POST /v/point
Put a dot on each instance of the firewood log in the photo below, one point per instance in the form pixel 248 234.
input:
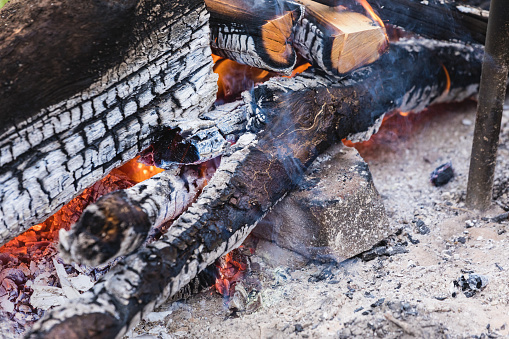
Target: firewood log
pixel 436 19
pixel 338 40
pixel 255 32
pixel 84 87
pixel 119 222
pixel 304 115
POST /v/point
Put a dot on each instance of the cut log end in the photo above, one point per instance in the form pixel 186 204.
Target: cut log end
pixel 358 42
pixel 338 40
pixel 255 33
pixel 113 225
pixel 275 36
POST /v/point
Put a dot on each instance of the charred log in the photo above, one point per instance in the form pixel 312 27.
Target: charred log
pixel 119 222
pixel 436 19
pixel 338 40
pixel 255 33
pixel 160 76
pixel 304 115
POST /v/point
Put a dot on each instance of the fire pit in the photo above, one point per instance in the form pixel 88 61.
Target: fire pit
pixel 226 163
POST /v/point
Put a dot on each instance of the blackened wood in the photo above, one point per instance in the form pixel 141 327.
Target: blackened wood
pixel 303 116
pixel 50 50
pixel 119 222
pixel 255 32
pixel 338 40
pixel 161 77
pixel 490 107
pixel 435 18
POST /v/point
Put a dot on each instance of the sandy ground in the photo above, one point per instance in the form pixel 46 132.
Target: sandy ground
pixel 403 295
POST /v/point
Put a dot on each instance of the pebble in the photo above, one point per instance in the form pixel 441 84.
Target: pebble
pixel 466 122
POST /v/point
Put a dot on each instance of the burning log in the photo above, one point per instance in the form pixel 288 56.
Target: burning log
pixel 338 40
pixel 444 20
pixel 125 217
pixel 253 32
pixel 303 115
pixel 85 87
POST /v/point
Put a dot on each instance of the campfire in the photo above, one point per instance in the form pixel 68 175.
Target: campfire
pixel 168 130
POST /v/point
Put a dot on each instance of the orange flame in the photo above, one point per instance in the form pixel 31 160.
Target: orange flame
pixel 448 77
pixel 43 234
pixel 371 12
pixel 231 270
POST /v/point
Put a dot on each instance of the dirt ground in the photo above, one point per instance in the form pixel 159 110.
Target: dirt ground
pixel 398 296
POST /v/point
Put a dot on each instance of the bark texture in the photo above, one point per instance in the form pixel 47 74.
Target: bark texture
pixel 255 32
pixel 444 20
pixel 302 117
pixel 162 76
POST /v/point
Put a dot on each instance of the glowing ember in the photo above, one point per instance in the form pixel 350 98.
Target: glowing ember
pixel 232 268
pixel 235 78
pixel 40 236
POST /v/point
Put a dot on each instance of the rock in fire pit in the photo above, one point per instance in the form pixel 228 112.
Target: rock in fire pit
pixel 336 211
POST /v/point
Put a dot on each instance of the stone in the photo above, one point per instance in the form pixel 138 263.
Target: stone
pixel 334 213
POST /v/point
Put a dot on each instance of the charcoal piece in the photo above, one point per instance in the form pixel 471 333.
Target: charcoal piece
pixel 499 218
pixel 412 240
pixel 442 174
pixel 471 285
pixel 380 251
pixel 377 303
pixel 461 240
pixel 326 273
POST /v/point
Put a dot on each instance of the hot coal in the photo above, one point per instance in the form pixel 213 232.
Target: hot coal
pixel 471 285
pixel 168 149
pixel 442 175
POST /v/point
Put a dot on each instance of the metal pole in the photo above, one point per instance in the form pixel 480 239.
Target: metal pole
pixel 489 108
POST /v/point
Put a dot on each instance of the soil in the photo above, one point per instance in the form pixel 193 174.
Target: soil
pixel 401 295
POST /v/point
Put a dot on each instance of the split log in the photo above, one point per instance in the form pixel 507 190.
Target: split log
pixel 119 222
pixel 338 40
pixel 436 19
pixel 253 32
pixel 85 87
pixel 304 115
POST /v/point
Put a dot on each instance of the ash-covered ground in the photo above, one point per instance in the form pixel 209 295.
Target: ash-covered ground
pixel 400 295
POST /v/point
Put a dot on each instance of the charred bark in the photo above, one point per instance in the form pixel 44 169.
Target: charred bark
pixel 121 94
pixel 338 40
pixel 436 19
pixel 303 116
pixel 255 33
pixel 119 222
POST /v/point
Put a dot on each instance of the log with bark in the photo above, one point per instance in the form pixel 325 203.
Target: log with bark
pixel 336 39
pixel 85 87
pixel 303 116
pixel 436 19
pixel 256 33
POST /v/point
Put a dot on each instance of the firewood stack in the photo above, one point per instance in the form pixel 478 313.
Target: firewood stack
pixel 161 78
